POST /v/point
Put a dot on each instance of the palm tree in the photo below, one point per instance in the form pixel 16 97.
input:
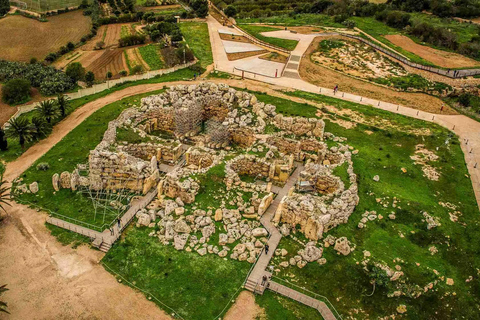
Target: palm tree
pixel 62 103
pixel 41 126
pixel 20 128
pixel 48 110
pixel 3 305
pixel 4 196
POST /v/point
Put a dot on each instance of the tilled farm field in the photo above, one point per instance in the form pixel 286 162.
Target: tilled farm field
pixel 23 38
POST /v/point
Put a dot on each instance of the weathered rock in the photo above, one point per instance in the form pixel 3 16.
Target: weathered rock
pixel 218 214
pixel 181 226
pixel 259 232
pixel 33 187
pixel 180 240
pixel 311 252
pixel 342 245
pixel 143 219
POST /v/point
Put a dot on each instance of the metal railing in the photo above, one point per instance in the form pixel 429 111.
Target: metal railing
pixel 454 74
pixel 310 293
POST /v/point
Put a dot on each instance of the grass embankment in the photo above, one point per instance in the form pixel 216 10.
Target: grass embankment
pixel 404 241
pixel 257 30
pixel 198 39
pixel 320 20
pixel 278 307
pixel 14 149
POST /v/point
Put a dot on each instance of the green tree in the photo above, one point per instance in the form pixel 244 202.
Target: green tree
pixel 90 78
pixel 16 91
pixel 41 126
pixel 48 110
pixel 109 75
pixel 20 128
pixel 76 71
pixel 231 11
pixel 4 7
pixel 3 305
pixel 62 103
pixel 3 140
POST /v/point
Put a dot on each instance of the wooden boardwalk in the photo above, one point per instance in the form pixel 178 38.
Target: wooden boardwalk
pixel 104 240
pixel 254 281
pixel 321 306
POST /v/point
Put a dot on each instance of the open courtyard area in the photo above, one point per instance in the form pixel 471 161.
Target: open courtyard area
pixel 208 160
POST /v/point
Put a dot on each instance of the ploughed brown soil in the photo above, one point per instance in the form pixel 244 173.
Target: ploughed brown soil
pixel 230 37
pixel 112 60
pixel 23 38
pixel 440 58
pixel 245 308
pixel 327 78
pixel 243 55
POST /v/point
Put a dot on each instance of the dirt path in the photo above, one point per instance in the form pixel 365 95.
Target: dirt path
pixel 440 58
pixel 245 308
pixel 50 281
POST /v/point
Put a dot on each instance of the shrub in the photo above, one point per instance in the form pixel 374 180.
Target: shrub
pixel 43 166
pixel 123 73
pixel 231 11
pixel 76 71
pixel 16 91
pixel 132 40
pixel 137 69
pixel 4 7
pixel 49 80
pixel 90 78
pixel 99 45
pixel 33 60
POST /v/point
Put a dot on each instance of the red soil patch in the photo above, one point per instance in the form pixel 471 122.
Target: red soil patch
pixel 438 57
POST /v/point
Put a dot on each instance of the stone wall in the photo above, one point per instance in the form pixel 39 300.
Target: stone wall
pixel 312 212
pixel 167 153
pixel 200 157
pixel 243 137
pixel 172 187
pixel 300 126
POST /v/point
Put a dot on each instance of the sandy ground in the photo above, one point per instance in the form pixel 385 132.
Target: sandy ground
pixel 245 308
pixel 324 77
pixel 440 58
pixel 49 281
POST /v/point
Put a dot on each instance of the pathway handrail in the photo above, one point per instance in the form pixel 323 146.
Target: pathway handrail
pixel 323 298
pixel 454 74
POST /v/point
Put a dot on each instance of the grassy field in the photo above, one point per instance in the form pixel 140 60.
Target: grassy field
pixel 404 241
pixel 48 5
pixel 23 38
pixel 196 287
pixel 256 30
pixel 281 308
pixel 297 20
pixel 198 39
pixel 151 55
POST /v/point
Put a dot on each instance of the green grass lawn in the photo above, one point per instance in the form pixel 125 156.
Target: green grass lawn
pixel 278 307
pixel 320 20
pixel 194 286
pixel 197 37
pixel 256 30
pixel 385 152
pixel 151 55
